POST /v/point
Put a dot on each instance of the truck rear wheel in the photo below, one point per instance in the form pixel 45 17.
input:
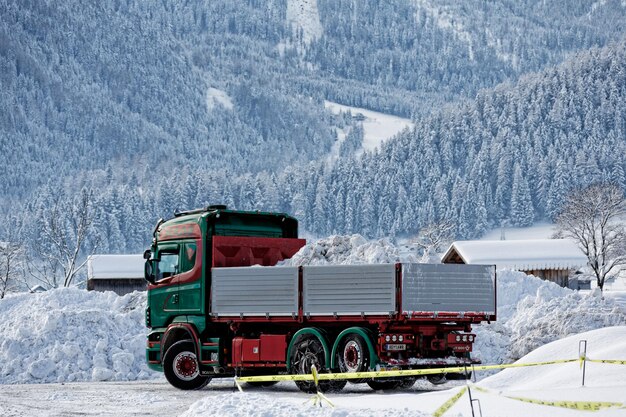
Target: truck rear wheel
pixel 353 356
pixel 181 366
pixel 308 351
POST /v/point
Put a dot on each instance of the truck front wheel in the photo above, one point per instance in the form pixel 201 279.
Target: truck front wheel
pixel 181 366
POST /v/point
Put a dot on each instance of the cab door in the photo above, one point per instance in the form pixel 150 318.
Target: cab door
pixel 163 296
pixel 190 283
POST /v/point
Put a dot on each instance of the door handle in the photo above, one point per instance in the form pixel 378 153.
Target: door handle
pixel 175 299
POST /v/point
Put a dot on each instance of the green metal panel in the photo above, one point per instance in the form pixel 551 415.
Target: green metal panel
pixel 366 335
pixel 197 321
pixel 252 224
pixel 162 305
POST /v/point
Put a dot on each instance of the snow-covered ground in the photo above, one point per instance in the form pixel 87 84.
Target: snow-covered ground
pixel 82 352
pixel 377 127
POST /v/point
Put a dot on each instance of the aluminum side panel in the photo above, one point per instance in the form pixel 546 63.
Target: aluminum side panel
pixel 449 288
pixel 349 289
pixel 254 291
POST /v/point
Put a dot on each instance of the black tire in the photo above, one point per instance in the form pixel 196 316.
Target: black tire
pixel 306 351
pixel 383 384
pixel 181 367
pixel 353 356
pixel 262 383
pixel 437 379
pixel 407 383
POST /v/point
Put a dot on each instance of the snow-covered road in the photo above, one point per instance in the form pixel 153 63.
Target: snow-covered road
pixel 154 398
pixel 137 398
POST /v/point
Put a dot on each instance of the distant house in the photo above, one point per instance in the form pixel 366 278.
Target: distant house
pixel 119 273
pixel 550 259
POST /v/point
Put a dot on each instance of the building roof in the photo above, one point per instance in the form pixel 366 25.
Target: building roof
pixel 115 266
pixel 522 255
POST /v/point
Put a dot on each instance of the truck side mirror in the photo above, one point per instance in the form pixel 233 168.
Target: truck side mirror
pixel 147 254
pixel 148 272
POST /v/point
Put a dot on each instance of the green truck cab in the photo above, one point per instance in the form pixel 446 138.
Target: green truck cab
pixel 178 270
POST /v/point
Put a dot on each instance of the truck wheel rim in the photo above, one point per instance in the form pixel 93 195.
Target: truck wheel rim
pixel 352 356
pixel 186 366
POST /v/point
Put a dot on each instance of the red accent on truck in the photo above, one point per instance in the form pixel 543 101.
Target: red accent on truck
pixel 247 251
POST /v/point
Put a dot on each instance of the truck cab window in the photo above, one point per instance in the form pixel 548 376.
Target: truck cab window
pixel 167 266
pixel 189 257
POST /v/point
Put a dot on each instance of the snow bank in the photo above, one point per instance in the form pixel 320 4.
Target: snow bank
pixel 605 343
pixel 533 312
pixel 70 334
pixel 354 249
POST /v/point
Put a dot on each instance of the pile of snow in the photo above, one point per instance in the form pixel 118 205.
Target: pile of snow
pixel 604 343
pixel 70 334
pixel 533 312
pixel 344 250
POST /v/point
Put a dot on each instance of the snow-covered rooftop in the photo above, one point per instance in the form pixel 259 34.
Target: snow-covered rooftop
pixel 115 266
pixel 522 255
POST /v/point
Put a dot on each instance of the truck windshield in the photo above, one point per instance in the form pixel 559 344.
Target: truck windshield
pixel 167 266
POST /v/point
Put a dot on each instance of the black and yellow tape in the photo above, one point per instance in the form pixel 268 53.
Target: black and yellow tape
pixel 572 405
pixel 398 373
pixel 446 406
pixel 607 361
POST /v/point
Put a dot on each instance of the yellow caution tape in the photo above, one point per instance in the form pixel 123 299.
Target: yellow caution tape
pixel 387 374
pixel 573 405
pixel 607 361
pixel 314 374
pixel 446 406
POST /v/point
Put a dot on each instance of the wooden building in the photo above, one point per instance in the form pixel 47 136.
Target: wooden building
pixel 554 260
pixel 118 273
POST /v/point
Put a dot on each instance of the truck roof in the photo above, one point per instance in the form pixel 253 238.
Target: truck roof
pixel 222 221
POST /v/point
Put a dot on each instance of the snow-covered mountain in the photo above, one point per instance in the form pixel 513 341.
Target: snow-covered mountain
pixel 159 106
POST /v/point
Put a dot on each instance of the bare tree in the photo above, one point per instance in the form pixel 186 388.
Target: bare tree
pixel 593 218
pixel 11 255
pixel 11 262
pixel 432 239
pixel 65 230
